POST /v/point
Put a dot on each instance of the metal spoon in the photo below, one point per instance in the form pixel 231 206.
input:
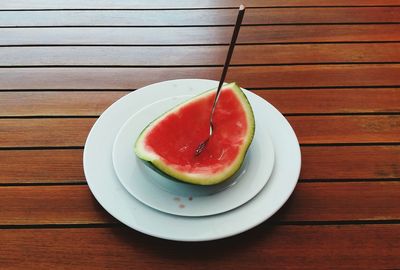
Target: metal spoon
pixel 239 19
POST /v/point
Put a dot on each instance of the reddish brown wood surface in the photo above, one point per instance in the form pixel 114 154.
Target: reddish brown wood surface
pixel 200 17
pixel 248 77
pixel 44 132
pixel 309 101
pixel 200 55
pixel 37 205
pixel 350 162
pixel 273 247
pixel 56 103
pixel 318 162
pixel 163 4
pixel 332 67
pixel 309 129
pixel 198 35
pixel 36 166
pixel 352 201
pixel 348 201
pixel 346 129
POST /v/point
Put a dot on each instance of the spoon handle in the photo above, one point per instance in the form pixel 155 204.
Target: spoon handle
pixel 229 56
pixel 239 19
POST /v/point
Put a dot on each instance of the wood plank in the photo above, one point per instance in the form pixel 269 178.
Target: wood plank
pixel 350 162
pixel 274 247
pixel 51 205
pixel 200 17
pixel 198 35
pixel 199 55
pixel 309 129
pixel 320 163
pixel 333 100
pixel 248 77
pixel 162 4
pixel 56 103
pixel 93 103
pixel 346 129
pixel 41 166
pixel 350 201
pixel 44 132
pixel 355 201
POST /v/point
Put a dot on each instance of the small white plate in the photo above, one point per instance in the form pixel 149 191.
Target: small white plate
pixel 111 194
pixel 183 199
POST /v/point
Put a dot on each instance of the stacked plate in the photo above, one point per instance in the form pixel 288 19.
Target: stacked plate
pixel 145 201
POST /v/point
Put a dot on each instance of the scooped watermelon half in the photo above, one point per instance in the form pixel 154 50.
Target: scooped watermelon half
pixel 168 144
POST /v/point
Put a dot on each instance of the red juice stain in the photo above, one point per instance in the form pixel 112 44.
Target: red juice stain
pixel 181 206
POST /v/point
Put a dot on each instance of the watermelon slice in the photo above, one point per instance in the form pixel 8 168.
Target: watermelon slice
pixel 168 144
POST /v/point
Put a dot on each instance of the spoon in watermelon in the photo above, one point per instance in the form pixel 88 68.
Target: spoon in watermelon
pixel 239 19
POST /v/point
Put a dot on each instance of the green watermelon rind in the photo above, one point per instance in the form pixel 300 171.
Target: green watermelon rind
pixel 159 166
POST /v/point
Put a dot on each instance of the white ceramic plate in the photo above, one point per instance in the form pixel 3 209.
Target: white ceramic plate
pixel 183 199
pixel 111 194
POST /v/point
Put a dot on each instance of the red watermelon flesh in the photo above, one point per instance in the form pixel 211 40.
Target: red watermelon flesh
pixel 169 142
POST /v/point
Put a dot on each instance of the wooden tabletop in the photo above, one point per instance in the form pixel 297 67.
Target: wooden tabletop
pixel 332 67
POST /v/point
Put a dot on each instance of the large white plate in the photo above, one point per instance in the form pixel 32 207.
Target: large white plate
pixel 110 193
pixel 179 198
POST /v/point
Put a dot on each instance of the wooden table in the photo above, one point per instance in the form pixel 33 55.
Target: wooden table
pixel 331 67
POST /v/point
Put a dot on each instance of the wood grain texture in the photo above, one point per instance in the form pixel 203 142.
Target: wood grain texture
pixel 248 77
pixel 306 57
pixel 198 35
pixel 200 55
pixel 349 201
pixel 163 4
pixel 318 163
pixel 56 103
pixel 200 17
pixel 44 132
pixel 352 201
pixel 41 166
pixel 309 129
pixel 333 100
pixel 350 162
pixel 37 103
pixel 346 129
pixel 50 205
pixel 266 247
